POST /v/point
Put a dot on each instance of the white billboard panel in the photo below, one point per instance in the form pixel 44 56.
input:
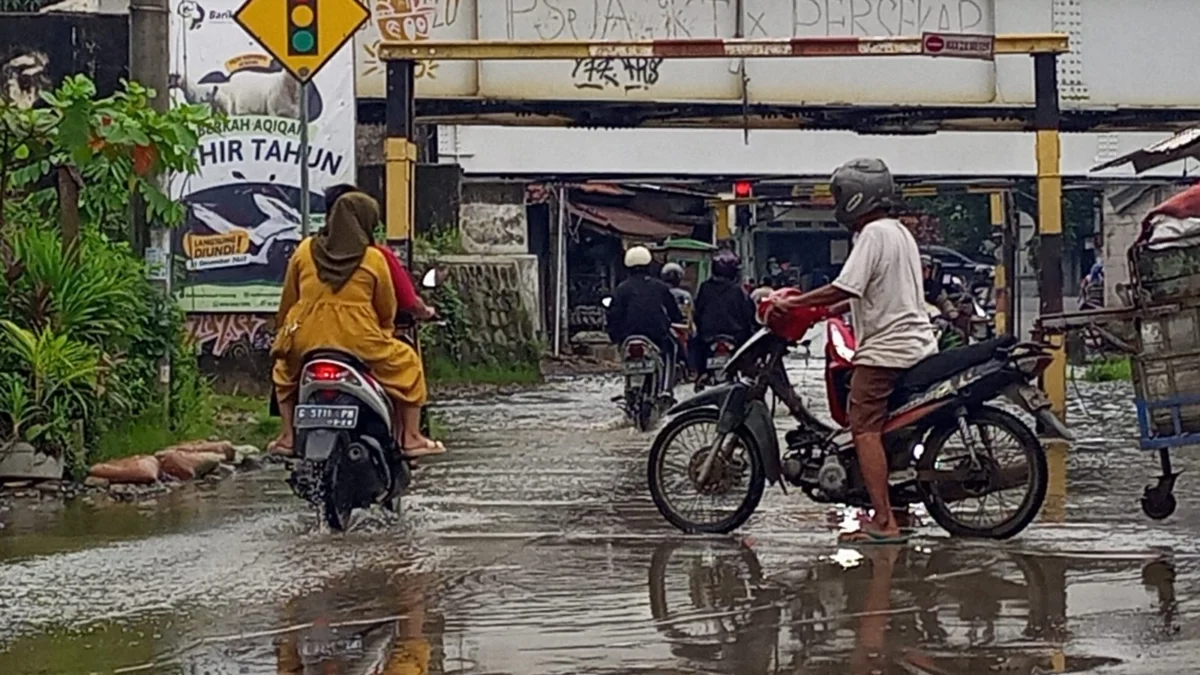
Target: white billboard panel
pixel 1123 52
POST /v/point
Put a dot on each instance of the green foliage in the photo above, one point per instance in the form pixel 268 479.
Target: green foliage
pixel 965 219
pixel 82 330
pixel 118 144
pixel 438 241
pixel 1109 370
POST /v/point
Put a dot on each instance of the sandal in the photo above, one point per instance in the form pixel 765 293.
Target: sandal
pixel 872 537
pixel 277 448
pixel 429 448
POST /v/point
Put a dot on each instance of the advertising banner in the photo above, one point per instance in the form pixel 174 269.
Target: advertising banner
pixel 243 219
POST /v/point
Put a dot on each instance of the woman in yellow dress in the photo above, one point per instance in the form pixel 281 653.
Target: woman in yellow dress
pixel 338 294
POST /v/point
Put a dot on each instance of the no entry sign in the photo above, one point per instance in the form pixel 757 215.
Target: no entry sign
pixel 959 45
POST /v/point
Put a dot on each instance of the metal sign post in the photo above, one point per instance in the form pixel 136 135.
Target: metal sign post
pixel 302 35
pixel 305 193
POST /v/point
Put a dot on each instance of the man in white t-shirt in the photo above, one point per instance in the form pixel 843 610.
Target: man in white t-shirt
pixel 882 286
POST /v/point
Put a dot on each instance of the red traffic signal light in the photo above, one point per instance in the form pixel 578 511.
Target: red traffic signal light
pixel 742 189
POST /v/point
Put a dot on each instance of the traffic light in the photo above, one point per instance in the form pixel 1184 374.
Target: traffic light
pixel 302 27
pixel 742 189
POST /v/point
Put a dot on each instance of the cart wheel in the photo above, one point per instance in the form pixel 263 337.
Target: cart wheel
pixel 1158 503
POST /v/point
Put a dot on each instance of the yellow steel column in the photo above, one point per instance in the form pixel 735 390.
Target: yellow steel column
pixel 1000 283
pixel 400 157
pixel 1050 233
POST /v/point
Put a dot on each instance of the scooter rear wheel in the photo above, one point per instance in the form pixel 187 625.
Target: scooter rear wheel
pixel 336 506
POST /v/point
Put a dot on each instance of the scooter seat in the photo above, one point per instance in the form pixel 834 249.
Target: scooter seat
pixel 944 364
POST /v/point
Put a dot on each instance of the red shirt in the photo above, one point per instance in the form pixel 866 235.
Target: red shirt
pixel 406 295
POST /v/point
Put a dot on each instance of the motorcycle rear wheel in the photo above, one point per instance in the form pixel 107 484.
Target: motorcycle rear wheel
pixel 753 486
pixel 1037 481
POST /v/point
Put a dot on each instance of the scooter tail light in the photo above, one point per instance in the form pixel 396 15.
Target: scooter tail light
pixel 721 349
pixel 327 372
pixel 636 350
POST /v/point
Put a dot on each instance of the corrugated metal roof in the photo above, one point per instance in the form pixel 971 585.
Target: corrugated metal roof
pixel 627 222
pixel 1180 146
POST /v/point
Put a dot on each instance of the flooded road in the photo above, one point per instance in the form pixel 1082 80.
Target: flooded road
pixel 533 547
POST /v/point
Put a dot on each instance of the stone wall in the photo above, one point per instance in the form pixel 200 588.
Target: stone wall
pixel 491 218
pixel 501 302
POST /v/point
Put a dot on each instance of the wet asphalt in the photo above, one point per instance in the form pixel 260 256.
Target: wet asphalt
pixel 533 547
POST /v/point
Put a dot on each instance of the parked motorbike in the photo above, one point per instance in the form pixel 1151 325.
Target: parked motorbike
pixel 720 349
pixel 649 380
pixel 939 437
pixel 345 445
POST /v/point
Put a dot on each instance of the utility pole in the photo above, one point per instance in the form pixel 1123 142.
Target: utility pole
pixel 149 60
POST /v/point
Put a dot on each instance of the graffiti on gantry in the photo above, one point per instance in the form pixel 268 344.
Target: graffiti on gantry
pixel 628 74
pixel 230 334
pixel 410 21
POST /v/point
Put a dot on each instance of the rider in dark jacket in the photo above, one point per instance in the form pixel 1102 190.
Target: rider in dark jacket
pixel 643 305
pixel 722 308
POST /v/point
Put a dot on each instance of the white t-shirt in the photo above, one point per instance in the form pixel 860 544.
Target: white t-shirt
pixel 883 273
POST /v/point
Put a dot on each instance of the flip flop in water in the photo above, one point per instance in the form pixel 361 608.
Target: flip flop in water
pixel 871 537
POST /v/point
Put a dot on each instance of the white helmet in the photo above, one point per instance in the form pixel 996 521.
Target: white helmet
pixel 638 256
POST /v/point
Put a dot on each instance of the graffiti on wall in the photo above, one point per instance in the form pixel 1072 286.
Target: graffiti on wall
pixel 34 58
pixel 627 74
pixel 222 335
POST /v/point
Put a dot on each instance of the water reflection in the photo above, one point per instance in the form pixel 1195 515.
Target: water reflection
pixel 885 609
pixel 371 622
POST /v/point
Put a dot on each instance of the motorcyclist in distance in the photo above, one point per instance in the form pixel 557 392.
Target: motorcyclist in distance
pixel 935 291
pixel 672 275
pixel 644 305
pixel 722 308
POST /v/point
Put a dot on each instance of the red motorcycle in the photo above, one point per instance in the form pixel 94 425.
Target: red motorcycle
pixel 942 438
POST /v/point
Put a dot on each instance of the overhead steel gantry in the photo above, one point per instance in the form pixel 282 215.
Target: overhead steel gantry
pixel 1046 121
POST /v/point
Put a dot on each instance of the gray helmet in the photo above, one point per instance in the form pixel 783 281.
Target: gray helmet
pixel 672 273
pixel 859 187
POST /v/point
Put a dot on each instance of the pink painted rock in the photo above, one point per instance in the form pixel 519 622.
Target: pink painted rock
pixel 223 448
pixel 136 469
pixel 185 466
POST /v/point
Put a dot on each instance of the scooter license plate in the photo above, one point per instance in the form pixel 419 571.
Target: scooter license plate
pixel 717 362
pixel 326 416
pixel 1033 397
pixel 639 367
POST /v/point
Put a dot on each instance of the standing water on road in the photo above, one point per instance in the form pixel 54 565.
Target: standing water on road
pixel 533 547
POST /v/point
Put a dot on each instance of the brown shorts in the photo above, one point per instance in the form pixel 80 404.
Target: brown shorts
pixel 870 389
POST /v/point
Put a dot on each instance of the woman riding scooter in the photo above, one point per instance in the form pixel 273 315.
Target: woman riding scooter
pixel 338 294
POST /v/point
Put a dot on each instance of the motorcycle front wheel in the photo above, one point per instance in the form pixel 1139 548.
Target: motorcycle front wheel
pixel 1011 476
pixel 676 462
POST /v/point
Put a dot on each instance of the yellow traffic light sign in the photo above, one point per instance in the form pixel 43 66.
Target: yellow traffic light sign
pixel 302 34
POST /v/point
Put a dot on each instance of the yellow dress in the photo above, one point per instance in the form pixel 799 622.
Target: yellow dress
pixel 357 319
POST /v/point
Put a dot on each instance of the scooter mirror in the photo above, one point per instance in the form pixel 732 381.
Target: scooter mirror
pixel 606 301
pixel 430 280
